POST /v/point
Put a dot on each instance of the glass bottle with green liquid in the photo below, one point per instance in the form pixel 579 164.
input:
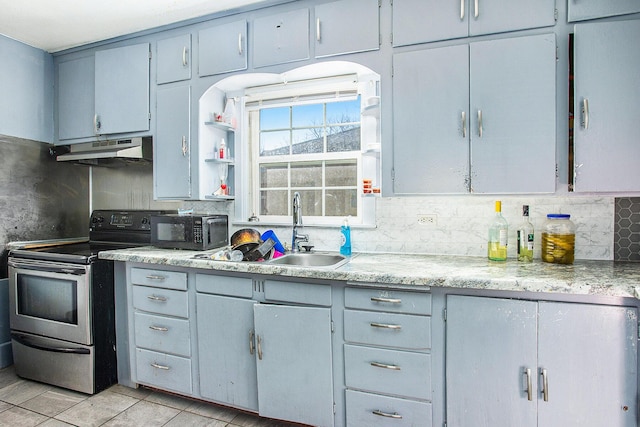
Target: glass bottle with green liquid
pixel 498 233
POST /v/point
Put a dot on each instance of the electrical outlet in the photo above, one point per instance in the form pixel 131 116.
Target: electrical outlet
pixel 428 219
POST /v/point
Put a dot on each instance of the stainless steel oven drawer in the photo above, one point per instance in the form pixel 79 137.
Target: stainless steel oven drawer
pixel 164 371
pixel 164 334
pixel 161 301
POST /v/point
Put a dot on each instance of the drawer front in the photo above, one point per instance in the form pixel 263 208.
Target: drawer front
pixel 159 278
pixel 389 300
pixel 165 334
pixel 387 329
pixel 302 293
pixel 164 371
pixel 162 301
pixel 224 285
pixel 372 410
pixel 400 373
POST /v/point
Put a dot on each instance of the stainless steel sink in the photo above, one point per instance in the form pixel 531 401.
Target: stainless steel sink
pixel 311 259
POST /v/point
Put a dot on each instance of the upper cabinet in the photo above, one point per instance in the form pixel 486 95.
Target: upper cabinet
pixel 420 21
pixel 122 89
pixel 606 149
pixel 76 98
pixel 222 48
pixel 337 32
pixel 173 59
pixel 581 10
pixel 281 38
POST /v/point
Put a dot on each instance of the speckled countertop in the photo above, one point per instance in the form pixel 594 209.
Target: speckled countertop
pixel 603 278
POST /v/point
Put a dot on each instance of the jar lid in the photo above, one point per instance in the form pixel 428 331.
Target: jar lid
pixel 559 216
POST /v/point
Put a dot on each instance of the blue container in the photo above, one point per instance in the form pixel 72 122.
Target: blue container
pixel 269 234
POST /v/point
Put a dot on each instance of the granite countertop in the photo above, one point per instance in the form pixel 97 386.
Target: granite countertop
pixel 603 278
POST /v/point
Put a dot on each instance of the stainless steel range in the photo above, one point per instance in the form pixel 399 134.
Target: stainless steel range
pixel 62 313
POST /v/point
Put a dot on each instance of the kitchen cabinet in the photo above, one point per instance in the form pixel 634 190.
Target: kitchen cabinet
pixel 222 48
pixel 172 143
pixel 581 10
pixel 122 89
pixel 458 113
pixel 605 132
pixel 540 363
pixel 173 59
pixel 76 98
pixel 421 21
pixel 281 38
pixel 336 32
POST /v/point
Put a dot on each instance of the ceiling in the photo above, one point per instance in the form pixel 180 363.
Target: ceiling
pixel 54 25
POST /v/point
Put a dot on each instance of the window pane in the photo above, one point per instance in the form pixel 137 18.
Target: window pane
pixel 274 118
pixel 274 143
pixel 341 173
pixel 274 175
pixel 274 202
pixel 307 115
pixel 307 141
pixel 343 138
pixel 306 174
pixel 343 111
pixel 311 201
pixel 341 202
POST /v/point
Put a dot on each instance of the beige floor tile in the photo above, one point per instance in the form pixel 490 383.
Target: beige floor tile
pixel 144 414
pixel 22 391
pixel 138 393
pixel 52 402
pixel 19 417
pixel 188 419
pixel 168 399
pixel 8 376
pixel 4 406
pixel 51 422
pixel 97 410
pixel 211 410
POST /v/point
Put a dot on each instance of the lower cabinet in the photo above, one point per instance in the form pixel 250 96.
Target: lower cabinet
pixel 528 363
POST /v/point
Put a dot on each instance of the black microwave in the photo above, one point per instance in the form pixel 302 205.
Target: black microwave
pixel 193 232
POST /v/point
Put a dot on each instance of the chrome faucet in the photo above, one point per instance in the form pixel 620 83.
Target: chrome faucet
pixel 296 238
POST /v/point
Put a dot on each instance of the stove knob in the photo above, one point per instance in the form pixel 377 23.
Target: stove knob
pixel 145 220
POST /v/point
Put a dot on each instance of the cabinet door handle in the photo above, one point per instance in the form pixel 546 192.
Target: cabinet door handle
pixel 158 328
pixel 239 43
pixel 385 325
pixel 185 149
pixel 157 298
pixel 585 113
pixel 184 56
pixel 476 9
pixel 385 366
pixel 386 414
pixel 462 9
pixel 259 348
pixel 545 385
pixel 464 124
pixel 252 347
pixel 480 123
pixel 387 300
pixel 155 365
pixel 527 372
pixel 318 29
pixel 155 277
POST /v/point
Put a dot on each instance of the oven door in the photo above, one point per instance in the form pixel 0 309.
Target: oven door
pixel 50 299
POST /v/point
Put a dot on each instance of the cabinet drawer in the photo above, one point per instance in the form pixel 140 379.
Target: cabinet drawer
pixel 159 278
pixel 387 329
pixel 224 285
pixel 371 410
pixel 388 300
pixel 162 301
pixel 400 373
pixel 164 334
pixel 164 371
pixel 302 293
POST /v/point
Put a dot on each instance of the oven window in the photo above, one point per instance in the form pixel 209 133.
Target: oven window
pixel 48 298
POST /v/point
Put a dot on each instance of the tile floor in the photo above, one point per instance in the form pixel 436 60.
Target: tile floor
pixel 29 403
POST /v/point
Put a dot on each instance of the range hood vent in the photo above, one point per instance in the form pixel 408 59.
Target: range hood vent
pixel 96 153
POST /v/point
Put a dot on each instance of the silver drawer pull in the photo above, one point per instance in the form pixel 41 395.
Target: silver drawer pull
pixel 156 298
pixel 385 325
pixel 158 328
pixel 387 300
pixel 164 368
pixel 386 414
pixel 385 366
pixel 156 277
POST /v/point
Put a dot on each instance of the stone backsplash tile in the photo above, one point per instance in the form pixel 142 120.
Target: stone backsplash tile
pixel 627 229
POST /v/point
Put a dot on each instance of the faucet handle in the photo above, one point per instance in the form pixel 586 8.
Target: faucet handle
pixel 307 247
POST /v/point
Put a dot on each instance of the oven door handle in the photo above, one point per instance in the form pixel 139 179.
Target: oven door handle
pixel 25 341
pixel 47 268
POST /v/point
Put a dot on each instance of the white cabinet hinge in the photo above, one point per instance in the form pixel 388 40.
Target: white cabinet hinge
pixel 334 408
pixel 149 116
pixel 444 314
pixel 333 329
pixel 150 55
pixel 555 15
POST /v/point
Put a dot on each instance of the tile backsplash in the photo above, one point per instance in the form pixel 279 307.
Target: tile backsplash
pixel 627 229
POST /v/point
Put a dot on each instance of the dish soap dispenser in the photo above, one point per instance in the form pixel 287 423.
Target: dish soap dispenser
pixel 345 233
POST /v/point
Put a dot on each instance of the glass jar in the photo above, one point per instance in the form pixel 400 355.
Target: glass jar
pixel 558 239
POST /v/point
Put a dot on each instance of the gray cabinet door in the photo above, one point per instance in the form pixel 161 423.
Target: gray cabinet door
pixel 294 363
pixel 122 89
pixel 606 115
pixel 337 32
pixel 581 10
pixel 490 345
pixel 223 48
pixel 281 38
pixel 430 112
pixel 589 354
pixel 172 147
pixel 513 115
pixel 226 350
pixel 498 16
pixel 76 98
pixel 173 59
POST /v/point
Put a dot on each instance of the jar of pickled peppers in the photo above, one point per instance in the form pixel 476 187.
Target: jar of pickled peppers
pixel 558 239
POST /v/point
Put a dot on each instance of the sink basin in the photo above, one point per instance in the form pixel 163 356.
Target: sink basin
pixel 311 259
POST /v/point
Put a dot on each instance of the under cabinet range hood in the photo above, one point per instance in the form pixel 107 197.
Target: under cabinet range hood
pixel 98 153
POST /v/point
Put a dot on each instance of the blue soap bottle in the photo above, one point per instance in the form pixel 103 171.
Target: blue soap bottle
pixel 345 232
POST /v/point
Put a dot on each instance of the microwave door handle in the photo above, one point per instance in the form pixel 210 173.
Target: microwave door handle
pixel 48 269
pixel 68 350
